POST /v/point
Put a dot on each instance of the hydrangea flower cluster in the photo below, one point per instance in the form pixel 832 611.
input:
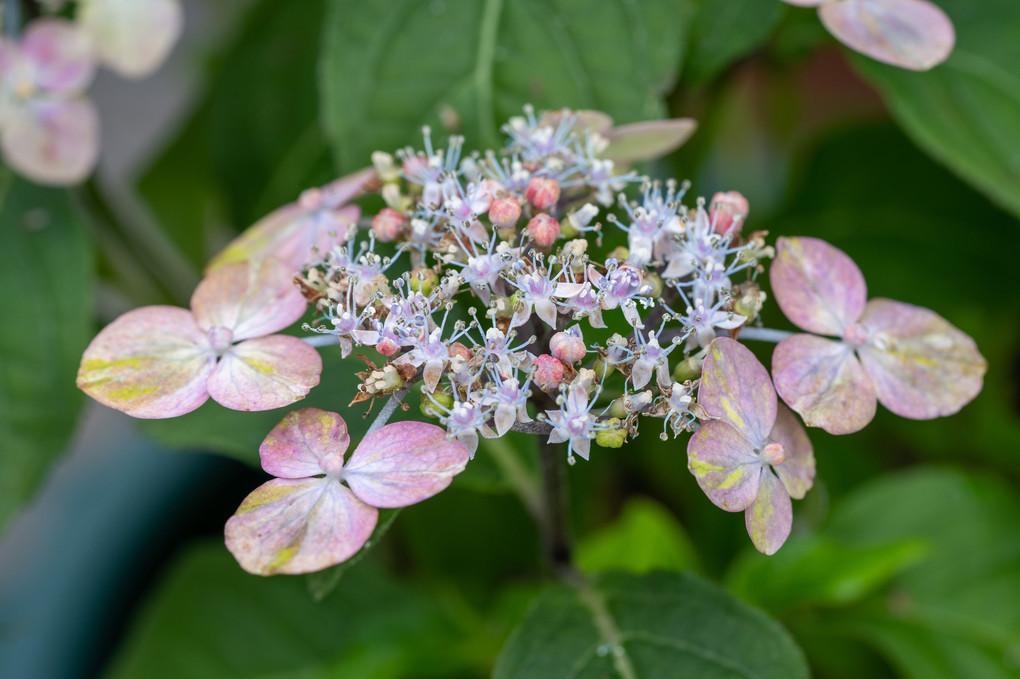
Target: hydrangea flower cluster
pixel 491 283
pixel 49 128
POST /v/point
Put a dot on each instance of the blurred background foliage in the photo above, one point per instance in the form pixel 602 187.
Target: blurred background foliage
pixel 905 559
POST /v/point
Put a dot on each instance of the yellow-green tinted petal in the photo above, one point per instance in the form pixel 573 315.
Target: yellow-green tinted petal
pixel 736 388
pixel 298 526
pixel 770 518
pixel 152 362
pixel 265 373
pixel 725 464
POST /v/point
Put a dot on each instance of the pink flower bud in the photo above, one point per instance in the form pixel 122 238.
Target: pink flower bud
pixel 542 192
pixel 387 225
pixel 726 210
pixel 544 230
pixel 567 347
pixel 548 373
pixel 387 347
pixel 458 350
pixel 504 212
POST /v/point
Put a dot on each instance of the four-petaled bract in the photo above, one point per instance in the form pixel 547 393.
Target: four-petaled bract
pixel 163 361
pixel 914 34
pixel 321 509
pixel 49 129
pixel 911 359
pixel 755 456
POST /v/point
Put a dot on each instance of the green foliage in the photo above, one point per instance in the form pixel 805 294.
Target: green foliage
pixel 644 538
pixel 656 625
pixel 210 619
pixel 253 142
pixel 966 112
pixel 389 68
pixel 923 566
pixel 724 31
pixel 46 272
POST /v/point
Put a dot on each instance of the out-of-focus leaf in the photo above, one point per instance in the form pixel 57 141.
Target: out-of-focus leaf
pixel 46 273
pixel 817 571
pixel 211 620
pixel 646 537
pixel 253 142
pixel 388 68
pixel 659 625
pixel 724 31
pixel 966 112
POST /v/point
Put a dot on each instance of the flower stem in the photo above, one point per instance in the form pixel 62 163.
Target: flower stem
pixel 387 412
pixel 765 334
pixel 555 534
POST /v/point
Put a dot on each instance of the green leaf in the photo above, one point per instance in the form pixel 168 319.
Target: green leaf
pixel 322 583
pixel 253 142
pixel 965 112
pixel 646 537
pixel 639 627
pixel 47 273
pixel 724 31
pixel 817 571
pixel 211 620
pixel 390 67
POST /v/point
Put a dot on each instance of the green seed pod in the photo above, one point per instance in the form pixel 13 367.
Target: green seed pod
pixel 611 438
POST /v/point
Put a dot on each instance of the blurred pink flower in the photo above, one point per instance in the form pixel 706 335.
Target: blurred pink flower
pixel 914 34
pixel 49 130
pixel 132 37
pixel 322 509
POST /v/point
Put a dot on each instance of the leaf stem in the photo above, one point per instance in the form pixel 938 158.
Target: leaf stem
pixel 605 624
pixel 555 534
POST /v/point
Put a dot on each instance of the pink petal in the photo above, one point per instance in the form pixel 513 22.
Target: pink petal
pixel 770 518
pixel 298 526
pixel 798 471
pixel 921 365
pixel 584 119
pixel 133 37
pixel 52 142
pixel 824 382
pixel 343 190
pixel 152 362
pixel 265 373
pixel 250 298
pixel 306 442
pixel 638 142
pixel 817 285
pixel 912 34
pixel 736 388
pixel 60 54
pixel 290 233
pixel 403 463
pixel 725 464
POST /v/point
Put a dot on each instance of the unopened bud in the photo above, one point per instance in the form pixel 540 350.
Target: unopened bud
pixel 548 372
pixel 385 167
pixel 544 230
pixel 619 253
pixel 653 282
pixel 387 347
pixel 423 280
pixel 387 225
pixel 728 212
pixel 611 438
pixel 774 454
pixel 602 368
pixel 458 350
pixel 567 347
pixel 430 409
pixel 688 369
pixel 504 212
pixel 542 192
